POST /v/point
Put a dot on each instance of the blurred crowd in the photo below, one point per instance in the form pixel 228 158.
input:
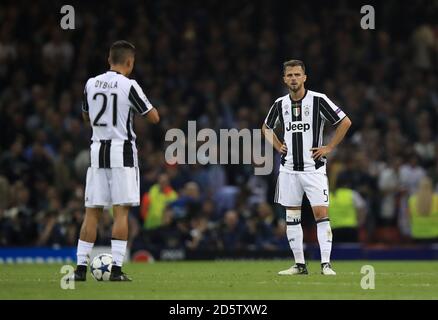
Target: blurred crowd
pixel 221 65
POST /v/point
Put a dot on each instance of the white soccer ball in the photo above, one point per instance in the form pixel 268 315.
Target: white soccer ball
pixel 100 267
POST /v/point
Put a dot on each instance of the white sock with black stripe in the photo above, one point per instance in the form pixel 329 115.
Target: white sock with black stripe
pixel 324 239
pixel 118 250
pixel 294 233
pixel 83 252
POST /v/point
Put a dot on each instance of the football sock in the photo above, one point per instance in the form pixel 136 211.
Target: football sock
pixel 118 250
pixel 83 252
pixel 294 233
pixel 325 239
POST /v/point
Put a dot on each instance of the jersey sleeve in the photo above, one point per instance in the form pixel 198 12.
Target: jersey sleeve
pixel 85 106
pixel 138 99
pixel 272 116
pixel 330 111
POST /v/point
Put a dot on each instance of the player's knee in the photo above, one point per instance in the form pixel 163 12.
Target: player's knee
pixel 120 220
pixel 120 212
pixel 120 224
pixel 320 212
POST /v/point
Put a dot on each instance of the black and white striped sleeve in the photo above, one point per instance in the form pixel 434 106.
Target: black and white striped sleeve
pixel 330 111
pixel 85 106
pixel 138 99
pixel 272 116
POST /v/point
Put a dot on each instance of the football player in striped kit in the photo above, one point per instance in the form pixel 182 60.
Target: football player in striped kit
pixel 302 114
pixel 110 101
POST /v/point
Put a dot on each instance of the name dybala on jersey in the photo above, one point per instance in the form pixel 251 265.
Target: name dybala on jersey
pixel 111 99
pixel 303 122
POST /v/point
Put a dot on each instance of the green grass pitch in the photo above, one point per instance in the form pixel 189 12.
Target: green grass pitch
pixel 252 279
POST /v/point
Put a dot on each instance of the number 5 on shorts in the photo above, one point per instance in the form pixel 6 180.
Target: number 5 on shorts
pixel 326 195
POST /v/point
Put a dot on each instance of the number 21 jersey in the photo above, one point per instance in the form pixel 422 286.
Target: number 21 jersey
pixel 110 99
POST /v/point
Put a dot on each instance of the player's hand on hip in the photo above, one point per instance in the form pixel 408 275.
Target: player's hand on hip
pixel 320 152
pixel 283 149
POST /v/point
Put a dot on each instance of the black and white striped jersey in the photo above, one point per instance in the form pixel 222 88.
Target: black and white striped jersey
pixel 303 125
pixel 111 99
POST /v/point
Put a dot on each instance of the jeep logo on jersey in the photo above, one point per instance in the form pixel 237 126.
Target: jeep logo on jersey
pixel 298 126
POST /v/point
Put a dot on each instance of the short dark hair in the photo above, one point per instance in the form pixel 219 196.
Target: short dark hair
pixel 294 63
pixel 120 50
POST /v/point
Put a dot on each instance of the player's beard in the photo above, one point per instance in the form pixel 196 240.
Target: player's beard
pixel 295 88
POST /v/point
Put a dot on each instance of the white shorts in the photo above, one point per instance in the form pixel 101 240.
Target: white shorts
pixel 115 186
pixel 291 187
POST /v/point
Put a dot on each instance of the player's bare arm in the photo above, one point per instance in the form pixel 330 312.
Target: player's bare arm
pixel 273 139
pixel 86 117
pixel 153 116
pixel 341 130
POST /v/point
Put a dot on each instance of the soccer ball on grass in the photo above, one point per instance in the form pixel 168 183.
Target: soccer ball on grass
pixel 100 267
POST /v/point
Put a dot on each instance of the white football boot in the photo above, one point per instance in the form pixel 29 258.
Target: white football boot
pixel 297 268
pixel 326 269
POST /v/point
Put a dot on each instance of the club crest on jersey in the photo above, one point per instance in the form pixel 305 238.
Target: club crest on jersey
pixel 306 111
